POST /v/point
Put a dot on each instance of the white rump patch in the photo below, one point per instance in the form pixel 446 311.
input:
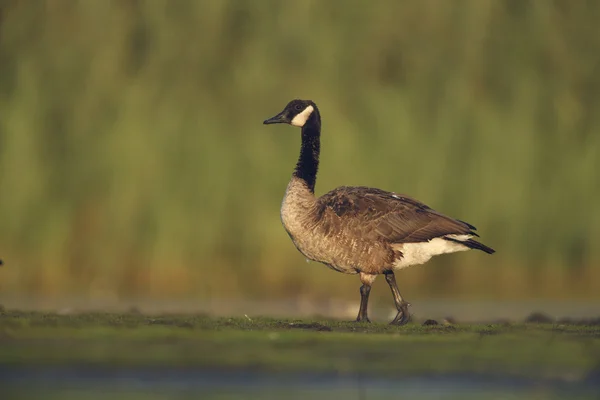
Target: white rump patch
pixel 420 253
pixel 462 238
pixel 300 119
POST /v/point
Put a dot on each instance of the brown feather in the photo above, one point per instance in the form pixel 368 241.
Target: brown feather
pixel 387 216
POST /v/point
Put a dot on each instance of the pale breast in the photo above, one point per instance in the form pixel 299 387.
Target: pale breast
pixel 297 217
pixel 300 219
pixel 320 236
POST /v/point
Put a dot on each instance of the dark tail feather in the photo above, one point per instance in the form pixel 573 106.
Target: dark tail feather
pixel 473 244
pixel 471 227
pixel 467 224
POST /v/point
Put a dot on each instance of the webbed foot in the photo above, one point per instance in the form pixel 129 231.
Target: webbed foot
pixel 403 315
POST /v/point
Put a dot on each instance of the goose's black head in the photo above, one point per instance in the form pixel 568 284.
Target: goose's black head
pixel 296 113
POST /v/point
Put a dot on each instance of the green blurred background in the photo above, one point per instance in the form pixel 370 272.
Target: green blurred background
pixel 134 163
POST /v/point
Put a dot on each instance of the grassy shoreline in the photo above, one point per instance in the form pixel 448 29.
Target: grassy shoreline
pixel 532 350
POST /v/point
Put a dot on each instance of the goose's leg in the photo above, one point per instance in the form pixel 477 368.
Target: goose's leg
pixel 402 306
pixel 367 280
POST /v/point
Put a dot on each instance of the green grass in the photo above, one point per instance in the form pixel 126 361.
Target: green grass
pixel 519 349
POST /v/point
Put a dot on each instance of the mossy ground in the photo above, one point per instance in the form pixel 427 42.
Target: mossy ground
pixel 520 349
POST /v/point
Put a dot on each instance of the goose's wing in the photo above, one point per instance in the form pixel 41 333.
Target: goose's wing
pixel 395 218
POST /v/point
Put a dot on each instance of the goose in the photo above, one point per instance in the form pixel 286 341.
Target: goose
pixel 361 230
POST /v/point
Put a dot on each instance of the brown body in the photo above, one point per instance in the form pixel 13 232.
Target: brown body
pixel 361 229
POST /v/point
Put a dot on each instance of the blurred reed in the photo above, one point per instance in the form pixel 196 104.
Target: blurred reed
pixel 133 161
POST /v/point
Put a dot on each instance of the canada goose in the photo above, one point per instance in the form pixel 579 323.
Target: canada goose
pixel 361 230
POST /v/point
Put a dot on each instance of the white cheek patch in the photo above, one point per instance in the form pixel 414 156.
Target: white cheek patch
pixel 300 119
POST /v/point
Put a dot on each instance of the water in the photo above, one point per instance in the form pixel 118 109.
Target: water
pixel 187 383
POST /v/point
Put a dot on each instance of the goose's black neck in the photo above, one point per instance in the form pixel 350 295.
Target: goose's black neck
pixel 308 162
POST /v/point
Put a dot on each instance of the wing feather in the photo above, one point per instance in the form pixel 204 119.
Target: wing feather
pixel 388 216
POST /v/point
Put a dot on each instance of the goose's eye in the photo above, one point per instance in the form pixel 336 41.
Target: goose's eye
pixel 298 107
